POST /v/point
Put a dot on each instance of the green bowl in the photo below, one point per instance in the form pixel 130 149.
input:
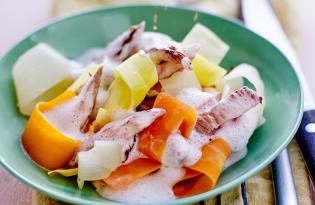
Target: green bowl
pixel 73 35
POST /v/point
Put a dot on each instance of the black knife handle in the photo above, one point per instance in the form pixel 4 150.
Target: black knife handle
pixel 306 140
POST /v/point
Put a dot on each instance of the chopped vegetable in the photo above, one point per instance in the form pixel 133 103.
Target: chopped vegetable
pixel 209 167
pixel 98 162
pixel 235 78
pixel 229 108
pixel 120 96
pixel 103 116
pixel 78 84
pixel 208 73
pixel 127 174
pixel 250 73
pixel 64 172
pixel 40 74
pixel 211 46
pixel 134 78
pixel 178 116
pixel 46 145
pixel 178 81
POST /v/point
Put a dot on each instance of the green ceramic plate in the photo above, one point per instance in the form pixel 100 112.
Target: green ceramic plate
pixel 73 35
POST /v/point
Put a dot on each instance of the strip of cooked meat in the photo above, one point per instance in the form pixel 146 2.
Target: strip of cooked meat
pixel 124 130
pixel 77 110
pixel 172 59
pixel 126 44
pixel 229 108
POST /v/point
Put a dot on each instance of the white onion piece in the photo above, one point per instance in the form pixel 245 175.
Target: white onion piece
pixel 36 72
pixel 211 46
pixel 179 81
pixel 98 162
pixel 250 73
pixel 234 80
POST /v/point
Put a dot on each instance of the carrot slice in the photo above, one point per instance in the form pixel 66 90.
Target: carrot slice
pixel 209 167
pixel 178 116
pixel 45 144
pixel 192 186
pixel 127 174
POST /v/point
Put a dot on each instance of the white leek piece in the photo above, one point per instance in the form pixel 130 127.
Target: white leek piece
pixel 98 162
pixel 234 80
pixel 250 73
pixel 41 73
pixel 179 81
pixel 211 46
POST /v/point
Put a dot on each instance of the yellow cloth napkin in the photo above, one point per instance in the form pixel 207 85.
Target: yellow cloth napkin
pixel 258 190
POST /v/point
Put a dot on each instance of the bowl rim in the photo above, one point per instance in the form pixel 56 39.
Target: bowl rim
pixel 199 197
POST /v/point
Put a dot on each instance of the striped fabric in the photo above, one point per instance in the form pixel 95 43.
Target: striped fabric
pixel 246 193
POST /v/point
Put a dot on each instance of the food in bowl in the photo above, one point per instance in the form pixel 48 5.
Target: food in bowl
pixel 146 119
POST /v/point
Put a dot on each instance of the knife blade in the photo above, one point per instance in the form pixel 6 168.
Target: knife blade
pixel 264 21
pixel 259 17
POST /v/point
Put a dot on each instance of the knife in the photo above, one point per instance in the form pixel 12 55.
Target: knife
pixel 282 174
pixel 259 17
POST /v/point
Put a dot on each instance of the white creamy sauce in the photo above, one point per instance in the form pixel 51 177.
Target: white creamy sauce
pixel 235 157
pixel 198 139
pixel 109 64
pixel 180 152
pixel 237 132
pixel 153 188
pixel 194 97
pixel 67 118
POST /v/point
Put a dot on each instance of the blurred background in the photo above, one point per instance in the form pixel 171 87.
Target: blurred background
pixel 19 18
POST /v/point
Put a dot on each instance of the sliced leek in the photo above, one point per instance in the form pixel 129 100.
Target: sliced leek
pixel 208 73
pixel 98 162
pixel 179 81
pixel 211 46
pixel 78 84
pixel 235 78
pixel 134 78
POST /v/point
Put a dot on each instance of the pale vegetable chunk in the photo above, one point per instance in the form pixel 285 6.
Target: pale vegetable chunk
pixel 208 73
pixel 234 80
pixel 211 46
pixel 79 83
pixel 37 71
pixel 98 162
pixel 179 81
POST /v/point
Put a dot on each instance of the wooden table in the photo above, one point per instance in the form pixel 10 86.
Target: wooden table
pixel 18 18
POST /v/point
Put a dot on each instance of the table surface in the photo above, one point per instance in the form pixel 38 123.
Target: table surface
pixel 14 27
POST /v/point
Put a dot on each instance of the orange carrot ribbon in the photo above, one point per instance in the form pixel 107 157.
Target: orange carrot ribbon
pixel 203 175
pixel 179 116
pixel 129 173
pixel 47 146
